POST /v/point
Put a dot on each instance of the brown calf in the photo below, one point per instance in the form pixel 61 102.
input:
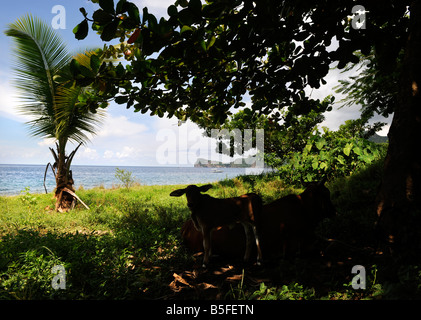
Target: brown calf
pixel 209 213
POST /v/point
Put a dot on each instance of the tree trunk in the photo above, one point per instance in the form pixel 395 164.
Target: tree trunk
pixel 398 200
pixel 65 201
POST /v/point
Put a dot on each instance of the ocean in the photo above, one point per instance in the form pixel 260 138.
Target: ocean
pixel 15 178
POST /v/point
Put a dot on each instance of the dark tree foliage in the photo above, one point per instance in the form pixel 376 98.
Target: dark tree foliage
pixel 202 60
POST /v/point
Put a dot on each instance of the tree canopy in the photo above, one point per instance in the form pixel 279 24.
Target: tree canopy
pixel 199 63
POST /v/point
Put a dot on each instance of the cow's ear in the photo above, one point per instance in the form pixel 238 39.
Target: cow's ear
pixel 178 193
pixel 205 188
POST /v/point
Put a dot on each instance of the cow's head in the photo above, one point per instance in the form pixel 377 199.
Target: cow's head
pixel 193 194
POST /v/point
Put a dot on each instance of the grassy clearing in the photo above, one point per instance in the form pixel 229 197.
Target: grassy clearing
pixel 127 246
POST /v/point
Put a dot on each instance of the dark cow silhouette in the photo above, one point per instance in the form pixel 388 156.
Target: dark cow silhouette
pixel 289 223
pixel 286 227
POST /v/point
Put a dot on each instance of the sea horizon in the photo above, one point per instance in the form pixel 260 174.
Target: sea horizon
pixel 15 178
pixel 101 165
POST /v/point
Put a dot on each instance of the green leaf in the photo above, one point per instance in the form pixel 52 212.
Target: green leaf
pixel 182 3
pixel 152 22
pixel 102 17
pixel 203 44
pixel 120 70
pixel 307 148
pixel 320 143
pixel 133 11
pixel 367 158
pixel 172 10
pixel 85 14
pixel 95 63
pixel 347 149
pixel 357 150
pixel 164 27
pixel 74 67
pixel 185 17
pixel 121 6
pixel 86 72
pixel 315 164
pixel 185 29
pixel 81 30
pixel 121 99
pixel 145 15
pixel 107 5
pixel 341 159
pixel 110 30
pixel 195 6
pixel 211 42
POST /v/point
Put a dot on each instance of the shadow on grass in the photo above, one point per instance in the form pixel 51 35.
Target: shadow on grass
pixel 134 263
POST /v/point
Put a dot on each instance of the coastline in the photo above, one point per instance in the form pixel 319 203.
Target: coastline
pixel 15 178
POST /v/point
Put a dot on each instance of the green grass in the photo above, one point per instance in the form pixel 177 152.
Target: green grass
pixel 128 246
pixel 112 250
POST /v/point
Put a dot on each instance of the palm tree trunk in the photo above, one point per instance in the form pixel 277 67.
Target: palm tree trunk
pixel 65 200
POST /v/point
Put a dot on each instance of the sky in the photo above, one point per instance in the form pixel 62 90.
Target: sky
pixel 126 138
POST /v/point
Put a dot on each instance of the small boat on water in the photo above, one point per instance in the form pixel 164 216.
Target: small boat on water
pixel 216 170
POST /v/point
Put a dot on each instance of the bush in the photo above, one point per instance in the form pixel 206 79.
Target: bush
pixel 330 156
pixel 125 177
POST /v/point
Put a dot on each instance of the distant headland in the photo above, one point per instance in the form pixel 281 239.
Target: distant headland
pixel 238 163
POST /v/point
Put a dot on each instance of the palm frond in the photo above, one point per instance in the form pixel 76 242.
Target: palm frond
pixel 46 88
pixel 75 120
pixel 39 55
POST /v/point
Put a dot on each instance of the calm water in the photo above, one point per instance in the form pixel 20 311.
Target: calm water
pixel 15 178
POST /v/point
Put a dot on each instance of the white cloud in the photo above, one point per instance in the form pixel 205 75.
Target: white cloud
pixel 48 142
pixel 9 103
pixel 154 6
pixel 86 153
pixel 108 154
pixel 120 127
pixel 24 155
pixel 128 152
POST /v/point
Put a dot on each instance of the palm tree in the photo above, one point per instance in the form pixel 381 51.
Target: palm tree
pixel 49 95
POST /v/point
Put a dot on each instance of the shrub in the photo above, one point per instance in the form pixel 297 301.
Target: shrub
pixel 125 177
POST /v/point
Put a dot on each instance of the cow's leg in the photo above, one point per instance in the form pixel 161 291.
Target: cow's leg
pixel 248 240
pixel 206 245
pixel 259 251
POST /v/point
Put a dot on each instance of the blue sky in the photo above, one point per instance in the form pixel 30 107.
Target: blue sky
pixel 126 138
